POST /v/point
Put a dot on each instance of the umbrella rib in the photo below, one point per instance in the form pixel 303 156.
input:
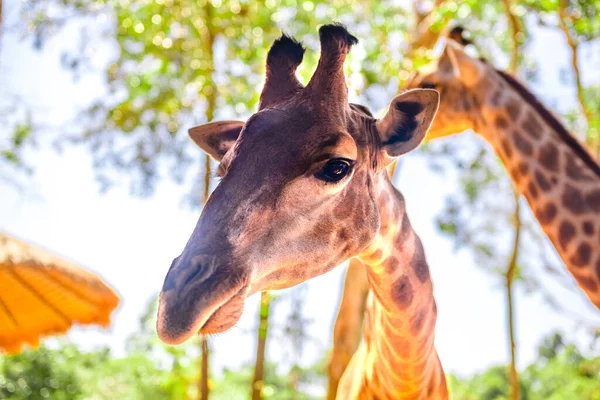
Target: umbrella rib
pixel 39 296
pixel 70 289
pixel 7 310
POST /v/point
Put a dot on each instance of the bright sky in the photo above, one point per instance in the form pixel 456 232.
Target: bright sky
pixel 130 241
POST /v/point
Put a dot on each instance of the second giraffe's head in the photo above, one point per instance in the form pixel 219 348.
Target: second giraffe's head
pixel 466 86
pixel 298 192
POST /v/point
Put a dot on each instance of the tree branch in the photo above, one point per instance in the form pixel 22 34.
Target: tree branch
pixel 263 328
pixel 563 21
pixel 510 275
pixel 203 386
pixel 513 23
pixel 511 269
pixel 424 36
pixel 211 100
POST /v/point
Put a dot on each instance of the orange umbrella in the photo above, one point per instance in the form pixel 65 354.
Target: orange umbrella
pixel 42 294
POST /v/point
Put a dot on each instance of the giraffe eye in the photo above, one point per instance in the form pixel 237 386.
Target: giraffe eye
pixel 334 170
pixel 428 85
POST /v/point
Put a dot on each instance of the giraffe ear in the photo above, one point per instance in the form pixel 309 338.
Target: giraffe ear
pixel 216 138
pixel 407 120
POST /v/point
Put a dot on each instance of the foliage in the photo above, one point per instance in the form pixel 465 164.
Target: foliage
pixel 149 370
pixel 19 135
pixel 561 372
pixel 64 372
pixel 40 374
pixel 181 63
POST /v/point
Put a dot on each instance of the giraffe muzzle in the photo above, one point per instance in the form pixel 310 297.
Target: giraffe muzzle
pixel 199 296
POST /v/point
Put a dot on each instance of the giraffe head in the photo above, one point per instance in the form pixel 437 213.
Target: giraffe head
pixel 296 196
pixel 463 83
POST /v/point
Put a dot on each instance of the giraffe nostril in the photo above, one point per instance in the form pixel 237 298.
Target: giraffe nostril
pixel 180 275
pixel 196 269
pixel 170 278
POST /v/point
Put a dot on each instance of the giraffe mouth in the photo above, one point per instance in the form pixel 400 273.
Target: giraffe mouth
pixel 224 317
pixel 180 318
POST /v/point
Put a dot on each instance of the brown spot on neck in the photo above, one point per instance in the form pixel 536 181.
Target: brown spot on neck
pixel 405 228
pixel 513 107
pixel 532 126
pixel 566 233
pixel 532 190
pixel 582 256
pixel 523 168
pixel 588 228
pixel 546 214
pixel 501 122
pixel 522 144
pixel 593 199
pixel 402 292
pixel 549 157
pixel 418 321
pixel 419 262
pixel 587 284
pixel 506 148
pixel 519 171
pixel 575 171
pixel 391 264
pixel 542 182
pixel 573 200
pixel 496 97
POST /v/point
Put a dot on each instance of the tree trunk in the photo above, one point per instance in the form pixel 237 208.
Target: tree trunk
pixel 211 103
pixel 263 326
pixel 511 269
pixel 515 388
pixel 203 384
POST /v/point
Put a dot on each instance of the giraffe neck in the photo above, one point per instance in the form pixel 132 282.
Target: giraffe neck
pixel 559 180
pixel 398 358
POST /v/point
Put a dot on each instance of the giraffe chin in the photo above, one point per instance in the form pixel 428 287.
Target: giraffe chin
pixel 224 318
pixel 175 327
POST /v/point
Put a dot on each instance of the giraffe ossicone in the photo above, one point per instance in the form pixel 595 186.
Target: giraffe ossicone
pixel 304 188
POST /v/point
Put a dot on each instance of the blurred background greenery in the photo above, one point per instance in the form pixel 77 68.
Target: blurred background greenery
pixel 152 370
pixel 176 64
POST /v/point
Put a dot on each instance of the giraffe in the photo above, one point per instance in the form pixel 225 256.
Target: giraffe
pixel 304 187
pixel 557 176
pixel 347 330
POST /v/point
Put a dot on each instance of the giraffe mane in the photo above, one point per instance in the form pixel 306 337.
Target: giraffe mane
pixel 551 120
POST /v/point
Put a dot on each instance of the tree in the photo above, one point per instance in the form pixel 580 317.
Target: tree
pixel 561 372
pixel 39 375
pixel 263 326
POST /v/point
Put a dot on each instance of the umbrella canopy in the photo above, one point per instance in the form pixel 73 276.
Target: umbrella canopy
pixel 42 294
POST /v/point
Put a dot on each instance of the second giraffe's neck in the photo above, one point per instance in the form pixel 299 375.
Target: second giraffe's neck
pixel 398 358
pixel 557 177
